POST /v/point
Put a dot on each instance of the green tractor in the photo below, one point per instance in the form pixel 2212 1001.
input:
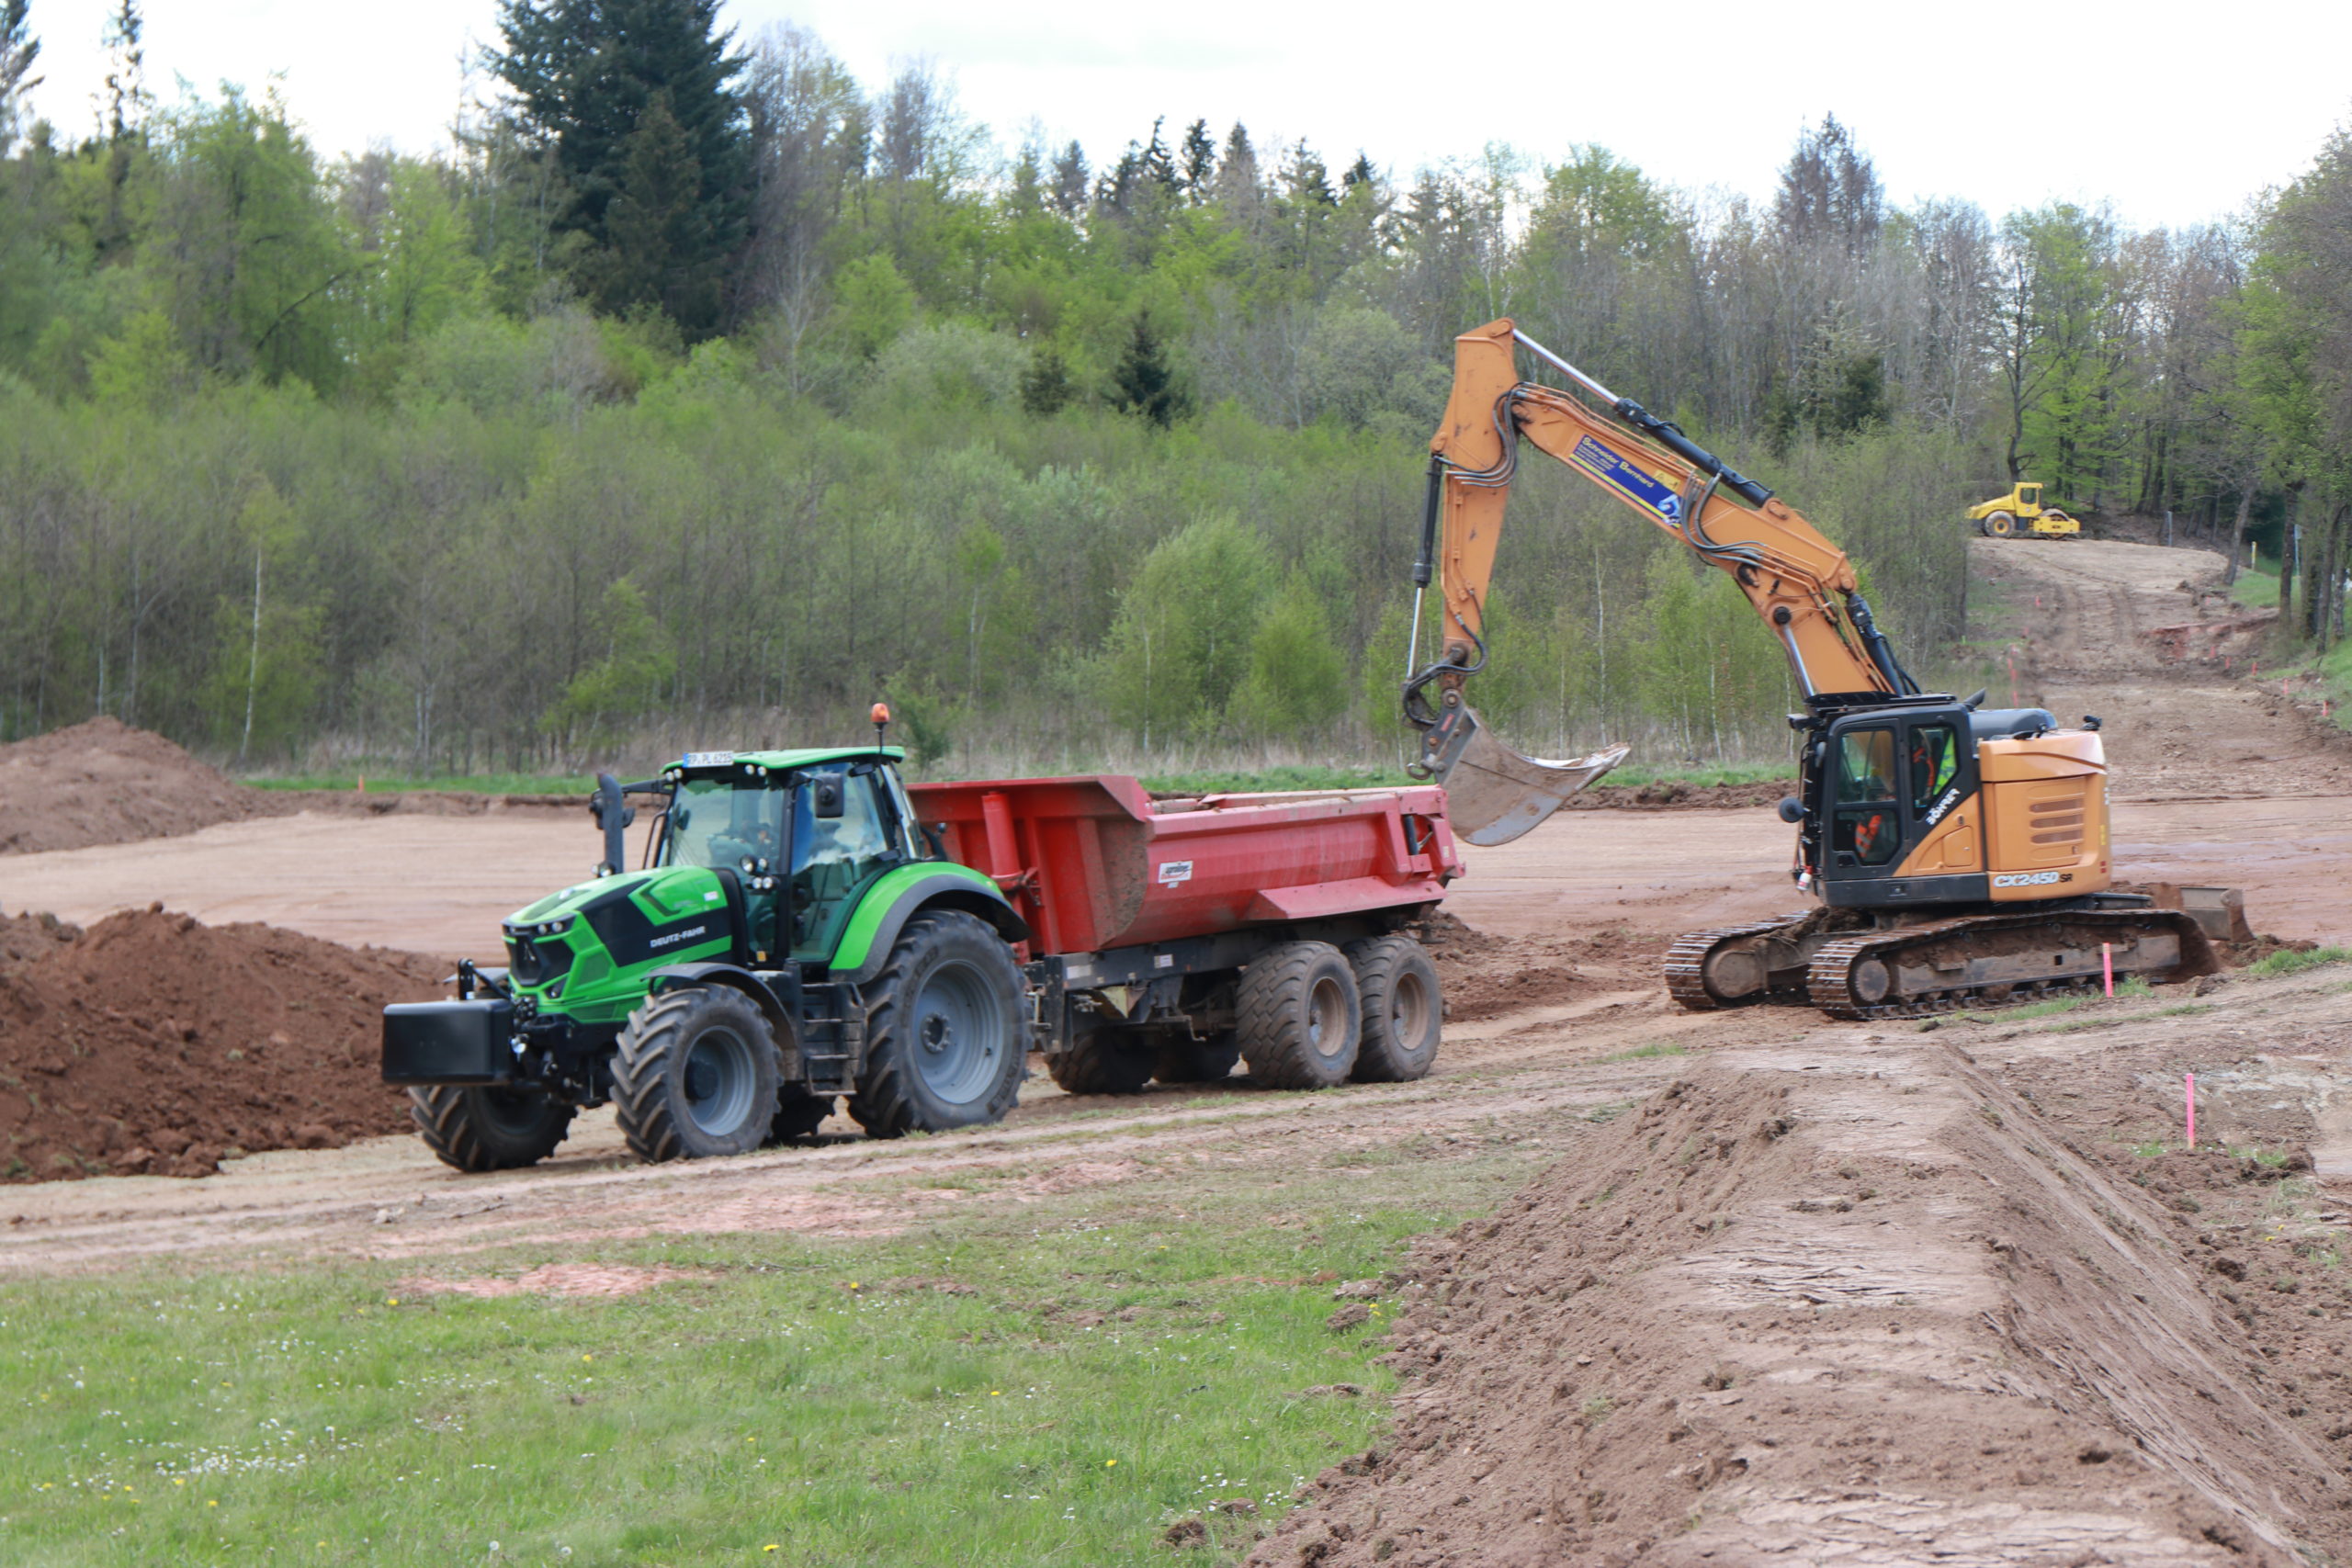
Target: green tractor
pixel 793 935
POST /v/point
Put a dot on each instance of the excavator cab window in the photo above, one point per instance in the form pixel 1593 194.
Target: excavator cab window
pixel 1935 762
pixel 1867 827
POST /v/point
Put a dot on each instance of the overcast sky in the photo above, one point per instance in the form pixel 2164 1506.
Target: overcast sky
pixel 2174 115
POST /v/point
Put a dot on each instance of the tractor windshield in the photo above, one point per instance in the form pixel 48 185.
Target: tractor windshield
pixel 716 822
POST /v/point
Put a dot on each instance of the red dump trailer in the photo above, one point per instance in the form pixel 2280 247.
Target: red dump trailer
pixel 1174 936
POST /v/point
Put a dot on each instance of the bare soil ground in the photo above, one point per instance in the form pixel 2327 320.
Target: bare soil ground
pixel 1764 1248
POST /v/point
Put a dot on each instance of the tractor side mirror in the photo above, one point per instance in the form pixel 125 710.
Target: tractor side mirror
pixel 1791 810
pixel 825 795
pixel 613 813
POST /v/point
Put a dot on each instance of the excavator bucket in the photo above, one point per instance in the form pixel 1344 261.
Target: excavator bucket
pixel 1492 794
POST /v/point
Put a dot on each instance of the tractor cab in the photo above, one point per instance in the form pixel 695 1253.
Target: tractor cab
pixel 797 837
pixel 2028 498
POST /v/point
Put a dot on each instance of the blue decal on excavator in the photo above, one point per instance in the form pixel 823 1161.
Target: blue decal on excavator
pixel 1611 469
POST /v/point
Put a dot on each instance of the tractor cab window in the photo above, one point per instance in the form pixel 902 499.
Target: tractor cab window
pixel 1866 829
pixel 716 822
pixel 1934 762
pixel 834 855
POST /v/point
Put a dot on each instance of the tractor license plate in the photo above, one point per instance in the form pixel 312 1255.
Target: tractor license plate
pixel 448 1042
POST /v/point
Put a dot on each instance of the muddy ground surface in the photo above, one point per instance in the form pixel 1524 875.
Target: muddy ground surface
pixel 1763 1245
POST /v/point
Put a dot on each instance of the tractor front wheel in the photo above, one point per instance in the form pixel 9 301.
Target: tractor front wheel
pixel 946 1041
pixel 488 1129
pixel 697 1074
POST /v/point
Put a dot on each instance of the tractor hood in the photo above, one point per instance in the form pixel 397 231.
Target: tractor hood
pixel 586 949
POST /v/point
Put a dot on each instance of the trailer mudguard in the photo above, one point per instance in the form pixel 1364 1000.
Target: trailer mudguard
pixel 900 895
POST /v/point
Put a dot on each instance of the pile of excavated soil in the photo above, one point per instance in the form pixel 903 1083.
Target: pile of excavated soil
pixel 1860 1303
pixel 1485 976
pixel 104 783
pixel 1674 795
pixel 151 1044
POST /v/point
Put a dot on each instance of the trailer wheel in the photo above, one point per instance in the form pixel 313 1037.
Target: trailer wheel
pixel 1102 1061
pixel 797 1114
pixel 488 1129
pixel 696 1075
pixel 1403 1013
pixel 945 1037
pixel 1300 1016
pixel 1199 1060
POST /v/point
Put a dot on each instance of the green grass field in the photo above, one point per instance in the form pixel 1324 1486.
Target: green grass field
pixel 1054 1383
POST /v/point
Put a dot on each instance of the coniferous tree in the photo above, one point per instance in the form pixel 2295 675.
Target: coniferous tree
pixel 585 75
pixel 1070 181
pixel 1046 386
pixel 1145 383
pixel 18 50
pixel 1199 161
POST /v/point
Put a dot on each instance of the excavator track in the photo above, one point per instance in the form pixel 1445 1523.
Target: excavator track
pixel 1686 964
pixel 1862 977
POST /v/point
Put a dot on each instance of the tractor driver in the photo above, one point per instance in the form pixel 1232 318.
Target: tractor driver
pixel 751 832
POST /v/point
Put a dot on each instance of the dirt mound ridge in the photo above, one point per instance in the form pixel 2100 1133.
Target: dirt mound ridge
pixel 1851 1304
pixel 152 1044
pixel 104 783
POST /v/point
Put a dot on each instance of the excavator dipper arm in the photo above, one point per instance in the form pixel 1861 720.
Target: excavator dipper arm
pixel 1801 585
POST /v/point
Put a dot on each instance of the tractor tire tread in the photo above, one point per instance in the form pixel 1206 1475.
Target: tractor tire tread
pixel 445 1119
pixel 641 1071
pixel 640 1060
pixel 883 1103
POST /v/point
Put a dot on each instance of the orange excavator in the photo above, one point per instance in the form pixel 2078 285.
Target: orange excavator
pixel 1957 855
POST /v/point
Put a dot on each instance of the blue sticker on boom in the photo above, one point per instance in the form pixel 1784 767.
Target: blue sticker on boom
pixel 1621 476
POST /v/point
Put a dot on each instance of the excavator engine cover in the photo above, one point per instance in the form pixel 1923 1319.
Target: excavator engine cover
pixel 1493 794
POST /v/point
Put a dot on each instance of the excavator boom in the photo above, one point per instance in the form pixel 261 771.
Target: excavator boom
pixel 1801 585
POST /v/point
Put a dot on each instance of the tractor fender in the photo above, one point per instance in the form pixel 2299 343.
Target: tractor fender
pixel 679 976
pixel 874 929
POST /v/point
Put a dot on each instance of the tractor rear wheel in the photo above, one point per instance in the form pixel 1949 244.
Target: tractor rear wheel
pixel 488 1129
pixel 1300 1016
pixel 1402 1014
pixel 2000 525
pixel 945 1042
pixel 1102 1061
pixel 1199 1060
pixel 696 1075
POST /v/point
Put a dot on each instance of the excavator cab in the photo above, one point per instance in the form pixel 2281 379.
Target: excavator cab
pixel 1879 783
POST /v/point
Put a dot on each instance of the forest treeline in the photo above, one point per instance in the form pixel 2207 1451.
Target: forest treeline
pixel 699 389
